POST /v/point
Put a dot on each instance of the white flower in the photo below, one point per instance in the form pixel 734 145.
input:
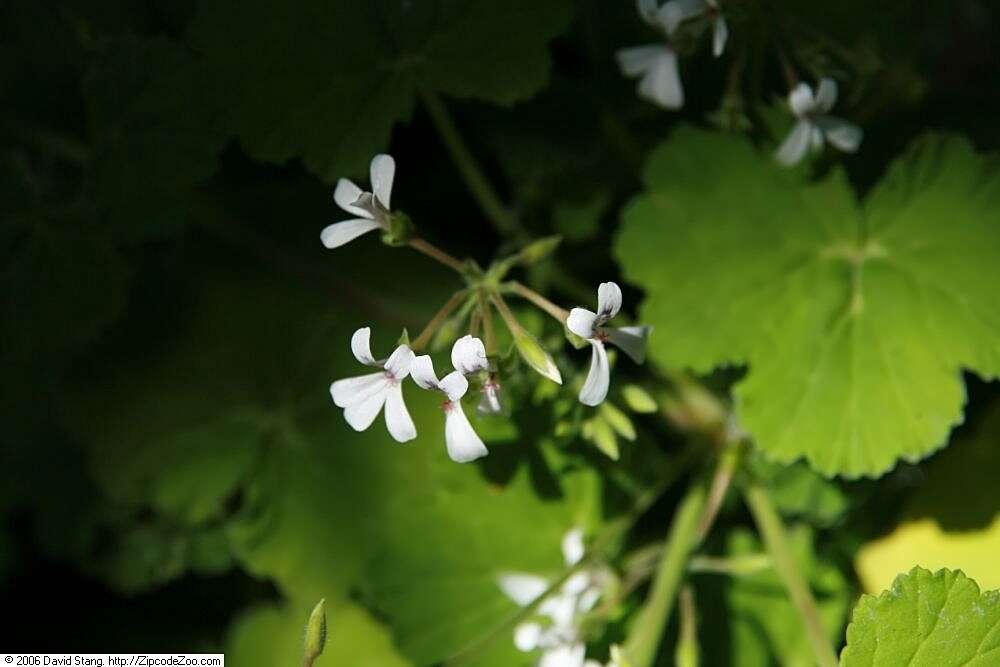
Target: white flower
pixel 372 208
pixel 467 356
pixel 559 639
pixel 589 325
pixel 814 125
pixel 654 64
pixel 676 12
pixel 363 397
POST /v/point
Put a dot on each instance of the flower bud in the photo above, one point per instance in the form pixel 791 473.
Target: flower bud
pixel 535 356
pixel 315 632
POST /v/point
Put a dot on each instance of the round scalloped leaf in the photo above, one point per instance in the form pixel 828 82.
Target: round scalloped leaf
pixel 926 619
pixel 326 81
pixel 855 320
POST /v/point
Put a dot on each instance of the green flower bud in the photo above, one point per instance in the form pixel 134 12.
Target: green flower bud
pixel 315 633
pixel 638 399
pixel 618 420
pixel 535 356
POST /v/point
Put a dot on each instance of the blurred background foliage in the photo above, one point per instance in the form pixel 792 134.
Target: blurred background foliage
pixel 172 473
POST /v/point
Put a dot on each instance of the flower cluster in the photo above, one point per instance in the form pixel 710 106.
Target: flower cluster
pixel 364 396
pixel 556 630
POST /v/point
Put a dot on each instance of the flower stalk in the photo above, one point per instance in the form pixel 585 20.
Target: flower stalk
pixel 437 254
pixel 644 640
pixel 534 297
pixel 772 530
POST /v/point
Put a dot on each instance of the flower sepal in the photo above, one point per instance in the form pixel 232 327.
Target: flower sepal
pixel 399 231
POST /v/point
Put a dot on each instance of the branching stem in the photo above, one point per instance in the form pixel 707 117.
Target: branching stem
pixel 534 297
pixel 437 254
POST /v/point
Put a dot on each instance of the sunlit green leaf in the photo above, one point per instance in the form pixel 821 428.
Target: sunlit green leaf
pixel 854 319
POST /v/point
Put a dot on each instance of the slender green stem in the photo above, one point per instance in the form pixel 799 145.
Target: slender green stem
pixel 534 297
pixel 735 566
pixel 687 653
pixel 506 314
pixel 473 175
pixel 729 462
pixel 487 317
pixel 425 336
pixel 644 639
pixel 436 253
pixel 772 531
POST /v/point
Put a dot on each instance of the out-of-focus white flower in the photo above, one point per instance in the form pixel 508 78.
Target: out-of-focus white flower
pixel 558 638
pixel 676 12
pixel 815 125
pixel 363 397
pixel 467 356
pixel 654 64
pixel 371 208
pixel 591 326
pixel 617 659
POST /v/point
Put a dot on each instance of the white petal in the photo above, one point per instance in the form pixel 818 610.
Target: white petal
pixel 361 346
pixel 662 83
pixel 841 134
pixel 609 300
pixel 353 390
pixel 345 194
pixel 462 442
pixel 527 636
pixel 468 355
pixel 588 599
pixel 647 10
pixel 594 663
pixel 794 147
pixel 454 385
pixel 720 36
pixel 826 94
pixel 581 322
pixel 675 12
pixel 360 415
pixel 422 372
pixel 560 608
pixel 399 362
pixel 801 99
pixel 489 403
pixel 630 340
pixel 383 170
pixel 637 59
pixel 595 389
pixel 576 584
pixel 572 546
pixel 339 233
pixel 522 588
pixel 397 417
pixel 567 655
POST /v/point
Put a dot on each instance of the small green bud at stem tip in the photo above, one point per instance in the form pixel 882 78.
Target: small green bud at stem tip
pixel 315 633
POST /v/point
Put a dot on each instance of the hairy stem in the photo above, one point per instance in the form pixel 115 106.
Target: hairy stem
pixel 437 254
pixel 775 538
pixel 472 174
pixel 425 336
pixel 644 639
pixel 534 297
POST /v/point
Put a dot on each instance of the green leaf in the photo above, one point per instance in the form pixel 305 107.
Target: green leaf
pixel 272 637
pixel 340 74
pixel 854 320
pixel 926 619
pixel 798 491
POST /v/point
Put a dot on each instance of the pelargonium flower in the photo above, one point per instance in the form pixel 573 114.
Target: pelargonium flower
pixel 468 356
pixel 654 64
pixel 371 208
pixel 362 397
pixel 489 402
pixel 591 326
pixel 558 638
pixel 815 125
pixel 676 12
